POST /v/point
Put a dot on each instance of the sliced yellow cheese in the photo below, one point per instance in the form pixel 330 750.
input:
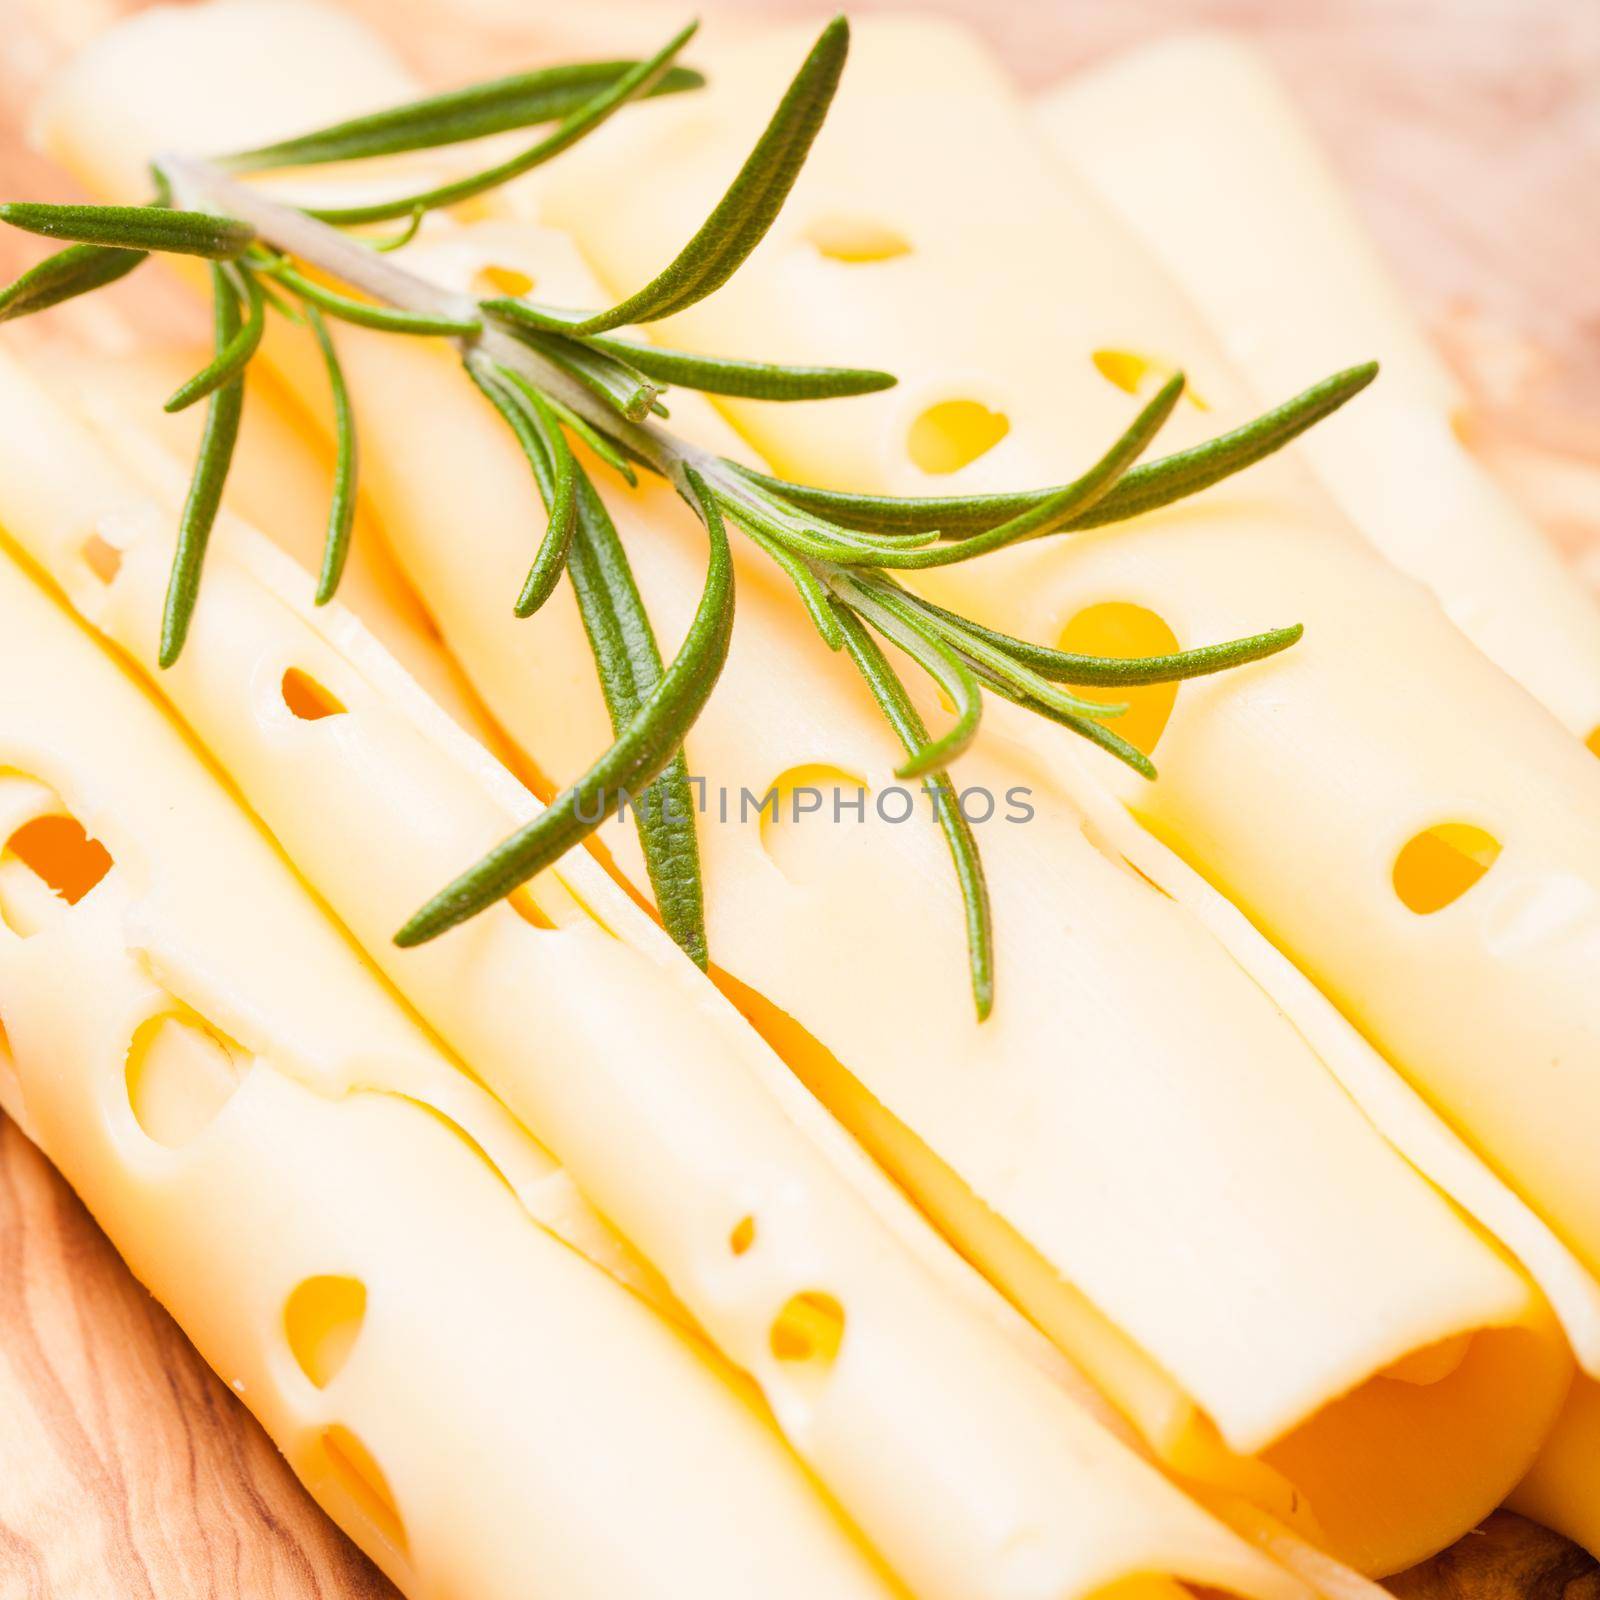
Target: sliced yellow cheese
pixel 1183 1238
pixel 279 487
pixel 955 1447
pixel 1137 1118
pixel 1196 147
pixel 1561 1492
pixel 1301 786
pixel 338 1217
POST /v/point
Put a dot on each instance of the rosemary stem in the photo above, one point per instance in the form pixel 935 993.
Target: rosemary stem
pixel 319 245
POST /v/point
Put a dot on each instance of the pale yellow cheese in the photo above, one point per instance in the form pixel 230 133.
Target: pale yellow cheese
pixel 967 1465
pixel 282 490
pixel 1196 147
pixel 1085 1164
pixel 1560 1491
pixel 1294 785
pixel 340 1219
pixel 844 928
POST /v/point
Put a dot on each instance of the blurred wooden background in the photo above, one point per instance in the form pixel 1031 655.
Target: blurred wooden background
pixel 1470 133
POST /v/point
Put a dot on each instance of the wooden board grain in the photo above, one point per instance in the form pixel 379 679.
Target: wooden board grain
pixel 1470 133
pixel 127 1468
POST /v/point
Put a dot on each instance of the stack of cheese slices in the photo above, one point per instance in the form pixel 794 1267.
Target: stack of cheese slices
pixel 1252 1244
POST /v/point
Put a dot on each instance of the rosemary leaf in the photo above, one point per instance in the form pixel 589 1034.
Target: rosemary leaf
pixel 189 233
pixel 1142 489
pixel 629 664
pixel 753 508
pixel 924 642
pixel 398 241
pixel 1087 727
pixel 235 357
pixel 199 513
pixel 743 215
pixel 749 380
pixel 528 415
pixel 457 116
pixel 608 449
pixel 1187 472
pixel 384 319
pixel 342 506
pixel 1060 509
pixel 1065 666
pixel 551 558
pixel 581 121
pixel 625 389
pixel 813 593
pixel 79 269
pixel 902 716
pixel 646 744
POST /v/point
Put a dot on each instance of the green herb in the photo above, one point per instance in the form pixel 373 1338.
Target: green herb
pixel 188 233
pixel 200 508
pixel 581 121
pixel 342 508
pixel 79 269
pixel 232 359
pixel 550 372
pixel 648 742
pixel 445 119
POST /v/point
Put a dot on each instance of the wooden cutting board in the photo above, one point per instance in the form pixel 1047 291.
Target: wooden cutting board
pixel 1471 136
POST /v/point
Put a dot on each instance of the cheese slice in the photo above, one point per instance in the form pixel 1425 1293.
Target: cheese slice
pixel 1196 147
pixel 1299 786
pixel 276 484
pixel 836 935
pixel 953 1444
pixel 1560 1491
pixel 353 1233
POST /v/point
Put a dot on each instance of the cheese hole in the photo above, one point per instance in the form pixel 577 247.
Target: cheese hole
pixel 307 698
pixel 809 1330
pixel 523 903
pixel 1437 866
pixel 322 1319
pixel 58 851
pixel 505 281
pixel 179 1077
pixel 800 811
pixel 1593 741
pixel 350 1464
pixel 743 1235
pixel 953 434
pixel 1118 628
pixel 1138 374
pixel 856 239
pixel 102 558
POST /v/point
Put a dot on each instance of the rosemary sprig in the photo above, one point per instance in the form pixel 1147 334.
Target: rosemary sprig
pixel 191 233
pixel 1146 488
pixel 580 537
pixel 550 372
pixel 581 121
pixel 751 205
pixel 629 664
pixel 555 470
pixel 751 380
pixel 383 319
pixel 902 716
pixel 342 504
pixel 79 269
pixel 649 741
pixel 232 359
pixel 199 513
pixel 445 119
